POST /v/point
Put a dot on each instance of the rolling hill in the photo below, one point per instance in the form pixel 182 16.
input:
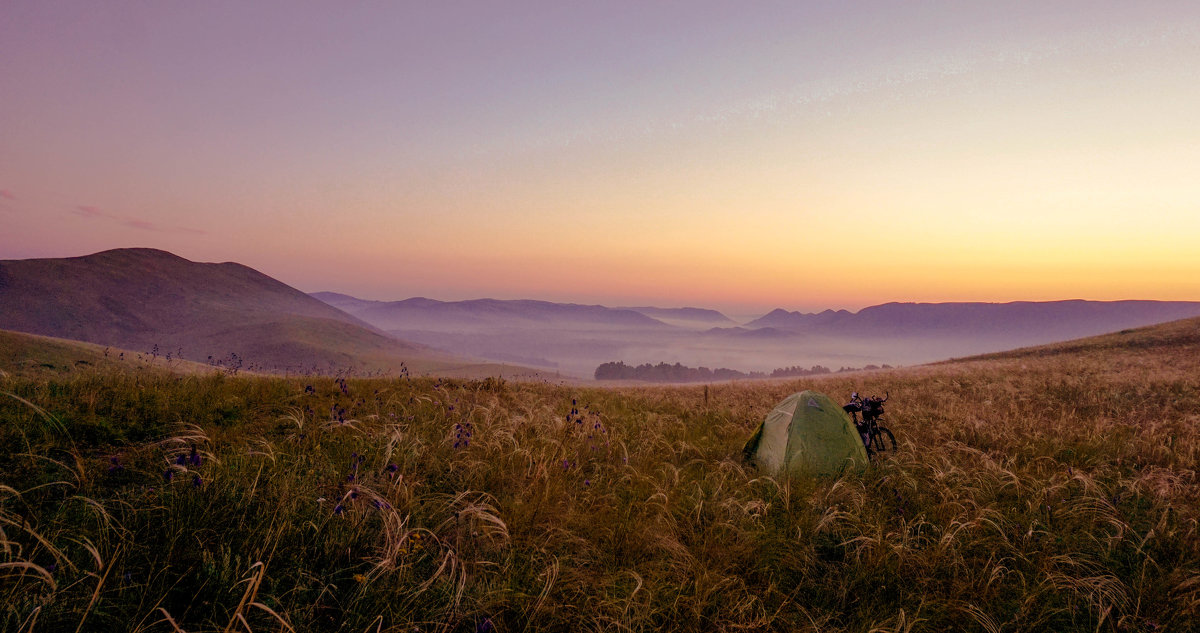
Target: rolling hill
pixel 419 313
pixel 158 303
pixel 693 318
pixel 1176 343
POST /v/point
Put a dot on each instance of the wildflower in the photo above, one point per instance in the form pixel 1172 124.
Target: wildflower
pixel 360 578
pixel 168 474
pixel 338 509
pixel 114 465
pixel 195 457
pixel 197 481
pixel 181 460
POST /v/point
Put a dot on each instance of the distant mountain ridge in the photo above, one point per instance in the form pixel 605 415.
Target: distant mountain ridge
pixel 1044 319
pixel 695 315
pixel 420 313
pixel 780 318
pixel 141 298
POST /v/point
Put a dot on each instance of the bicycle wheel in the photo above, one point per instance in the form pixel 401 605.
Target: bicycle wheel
pixel 883 439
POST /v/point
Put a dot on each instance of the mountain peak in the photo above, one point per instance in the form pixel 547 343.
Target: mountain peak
pixel 139 298
pixel 134 253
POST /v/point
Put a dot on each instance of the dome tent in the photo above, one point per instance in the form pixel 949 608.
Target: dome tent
pixel 809 434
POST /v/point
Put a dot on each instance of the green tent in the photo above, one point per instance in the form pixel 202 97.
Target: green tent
pixel 807 434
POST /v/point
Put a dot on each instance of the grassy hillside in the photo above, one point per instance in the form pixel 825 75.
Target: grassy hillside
pixel 30 355
pixel 1046 489
pixel 145 299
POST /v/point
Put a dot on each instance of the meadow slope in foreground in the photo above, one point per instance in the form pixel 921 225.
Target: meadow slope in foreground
pixel 1045 489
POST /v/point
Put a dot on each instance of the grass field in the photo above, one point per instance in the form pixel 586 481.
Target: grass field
pixel 1051 489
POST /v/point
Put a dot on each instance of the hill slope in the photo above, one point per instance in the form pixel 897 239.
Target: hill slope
pixel 142 298
pixel 24 354
pixel 1176 343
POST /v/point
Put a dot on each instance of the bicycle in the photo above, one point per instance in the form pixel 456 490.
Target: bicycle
pixel 876 437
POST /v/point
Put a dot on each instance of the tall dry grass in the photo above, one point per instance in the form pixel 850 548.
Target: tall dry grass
pixel 1049 490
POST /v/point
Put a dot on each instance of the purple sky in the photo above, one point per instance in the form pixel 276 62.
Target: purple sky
pixel 736 155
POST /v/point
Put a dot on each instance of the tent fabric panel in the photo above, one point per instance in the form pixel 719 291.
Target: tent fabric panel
pixel 773 447
pixel 822 437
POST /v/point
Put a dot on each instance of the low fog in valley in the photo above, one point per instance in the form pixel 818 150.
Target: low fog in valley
pixel 575 339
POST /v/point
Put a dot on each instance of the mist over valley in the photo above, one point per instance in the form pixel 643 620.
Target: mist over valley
pixel 575 339
pixel 231 315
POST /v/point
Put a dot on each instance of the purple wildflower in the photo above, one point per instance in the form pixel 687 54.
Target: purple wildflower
pixel 197 481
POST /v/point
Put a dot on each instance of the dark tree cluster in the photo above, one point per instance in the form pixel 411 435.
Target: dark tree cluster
pixel 663 372
pixel 815 370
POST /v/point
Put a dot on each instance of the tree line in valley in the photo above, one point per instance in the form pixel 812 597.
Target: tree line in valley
pixel 664 372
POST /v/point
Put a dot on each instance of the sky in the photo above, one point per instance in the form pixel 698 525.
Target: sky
pixel 743 156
